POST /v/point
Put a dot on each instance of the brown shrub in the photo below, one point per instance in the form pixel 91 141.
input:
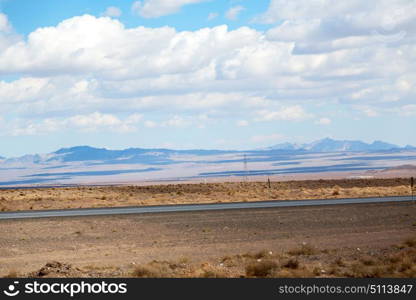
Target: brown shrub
pixel 368 261
pixel 261 269
pixel 146 272
pixel 261 254
pixel 303 250
pixel 213 273
pixel 410 242
pixel 339 262
pixel 292 264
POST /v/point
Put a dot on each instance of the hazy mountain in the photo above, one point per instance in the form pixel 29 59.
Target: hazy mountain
pixel 285 146
pixel 164 156
pixel 86 153
pixel 330 145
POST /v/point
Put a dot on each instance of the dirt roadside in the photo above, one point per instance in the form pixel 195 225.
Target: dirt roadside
pixel 163 194
pixel 343 238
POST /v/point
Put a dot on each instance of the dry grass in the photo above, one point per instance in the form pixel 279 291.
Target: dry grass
pixel 82 197
pixel 261 269
pixel 386 262
pixel 305 249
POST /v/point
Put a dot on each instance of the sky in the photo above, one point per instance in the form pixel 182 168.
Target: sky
pixel 212 74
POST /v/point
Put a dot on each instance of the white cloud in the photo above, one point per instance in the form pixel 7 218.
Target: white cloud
pixel 367 110
pixel 150 124
pixel 291 113
pixel 112 11
pixel 7 35
pixel 407 110
pixel 176 121
pixel 4 23
pixel 320 26
pixel 233 12
pixel 158 8
pixel 87 64
pixel 92 122
pixel 324 121
pixel 387 13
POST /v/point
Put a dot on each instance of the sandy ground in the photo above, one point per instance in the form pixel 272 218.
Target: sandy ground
pixel 344 240
pixel 162 194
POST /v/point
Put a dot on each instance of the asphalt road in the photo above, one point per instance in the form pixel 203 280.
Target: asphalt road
pixel 191 207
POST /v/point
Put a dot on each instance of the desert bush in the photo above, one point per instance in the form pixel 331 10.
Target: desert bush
pixel 303 250
pixel 262 254
pixel 368 261
pixel 339 262
pixel 144 271
pixel 212 273
pixel 291 264
pixel 261 269
pixel 411 242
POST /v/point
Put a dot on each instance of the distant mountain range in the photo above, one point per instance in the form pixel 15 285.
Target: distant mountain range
pixel 330 145
pixel 126 156
pixel 163 156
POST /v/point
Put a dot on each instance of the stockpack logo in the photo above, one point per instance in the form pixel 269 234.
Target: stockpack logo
pixel 69 288
pixel 12 290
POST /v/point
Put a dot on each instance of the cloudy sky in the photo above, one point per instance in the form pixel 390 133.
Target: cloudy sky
pixel 234 74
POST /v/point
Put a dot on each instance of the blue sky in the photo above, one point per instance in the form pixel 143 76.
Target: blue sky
pixel 26 16
pixel 236 74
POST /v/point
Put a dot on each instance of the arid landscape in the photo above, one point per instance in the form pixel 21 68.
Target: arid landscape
pixel 162 194
pixel 173 138
pixel 365 240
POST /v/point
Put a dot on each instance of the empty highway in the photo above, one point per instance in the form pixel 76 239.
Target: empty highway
pixel 192 207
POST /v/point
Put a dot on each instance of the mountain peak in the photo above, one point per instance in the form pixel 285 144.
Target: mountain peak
pixel 77 148
pixel 331 145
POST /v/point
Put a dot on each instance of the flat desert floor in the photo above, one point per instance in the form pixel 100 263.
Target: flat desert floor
pixel 364 240
pixel 162 194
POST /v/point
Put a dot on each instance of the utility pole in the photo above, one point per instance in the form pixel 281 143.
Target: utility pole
pixel 268 182
pixel 245 168
pixel 411 185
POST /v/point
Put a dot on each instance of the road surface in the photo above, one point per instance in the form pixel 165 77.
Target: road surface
pixel 192 207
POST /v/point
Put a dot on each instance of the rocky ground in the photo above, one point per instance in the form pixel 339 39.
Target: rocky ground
pixel 364 240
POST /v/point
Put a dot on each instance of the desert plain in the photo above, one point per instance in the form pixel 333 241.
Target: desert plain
pixel 361 240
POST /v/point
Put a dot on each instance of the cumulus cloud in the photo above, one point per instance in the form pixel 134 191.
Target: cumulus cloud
pixel 367 110
pixel 291 113
pixel 176 121
pixel 90 123
pixel 87 64
pixel 233 12
pixel 322 26
pixel 112 11
pixel 158 8
pixel 150 124
pixel 7 34
pixel 4 23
